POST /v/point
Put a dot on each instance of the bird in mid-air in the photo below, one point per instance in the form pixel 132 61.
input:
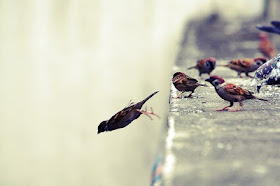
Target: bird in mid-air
pixel 126 116
pixel 275 28
pixel 266 47
pixel 231 93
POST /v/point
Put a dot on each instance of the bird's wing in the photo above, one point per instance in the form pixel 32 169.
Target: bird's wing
pixel 275 24
pixel 121 114
pixel 245 62
pixel 190 79
pixel 200 63
pixel 236 90
pixel 234 62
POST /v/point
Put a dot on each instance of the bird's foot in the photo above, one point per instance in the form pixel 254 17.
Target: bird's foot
pixel 223 109
pixel 149 114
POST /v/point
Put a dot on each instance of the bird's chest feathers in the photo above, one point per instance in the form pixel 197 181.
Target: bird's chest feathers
pixel 220 86
pixel 220 89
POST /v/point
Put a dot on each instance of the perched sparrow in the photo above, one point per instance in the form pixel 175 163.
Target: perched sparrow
pixel 246 65
pixel 184 83
pixel 230 92
pixel 125 116
pixel 205 66
pixel 275 28
pixel 268 73
pixel 266 47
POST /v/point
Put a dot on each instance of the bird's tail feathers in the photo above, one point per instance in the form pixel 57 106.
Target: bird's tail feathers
pixel 222 65
pixel 146 99
pixel 191 67
pixel 262 99
pixel 204 85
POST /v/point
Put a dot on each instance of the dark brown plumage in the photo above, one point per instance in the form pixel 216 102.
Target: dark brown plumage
pixel 184 83
pixel 126 116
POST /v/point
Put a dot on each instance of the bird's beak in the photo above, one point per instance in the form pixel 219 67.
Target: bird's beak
pixel 208 80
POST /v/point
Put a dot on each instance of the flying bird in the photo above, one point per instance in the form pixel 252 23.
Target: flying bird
pixel 184 83
pixel 231 93
pixel 275 28
pixel 266 47
pixel 205 66
pixel 126 116
pixel 245 65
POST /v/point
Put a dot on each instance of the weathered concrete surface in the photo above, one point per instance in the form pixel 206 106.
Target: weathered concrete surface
pixel 213 148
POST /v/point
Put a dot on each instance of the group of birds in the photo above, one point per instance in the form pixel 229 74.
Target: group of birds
pixel 228 91
pixel 183 83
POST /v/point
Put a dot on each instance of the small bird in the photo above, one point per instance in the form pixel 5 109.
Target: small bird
pixel 184 83
pixel 275 28
pixel 205 66
pixel 231 93
pixel 266 47
pixel 245 65
pixel 126 116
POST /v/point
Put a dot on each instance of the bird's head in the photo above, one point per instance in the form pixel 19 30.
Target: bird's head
pixel 178 74
pixel 210 63
pixel 215 80
pixel 101 127
pixel 260 60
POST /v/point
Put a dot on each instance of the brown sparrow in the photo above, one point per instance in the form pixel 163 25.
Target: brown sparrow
pixel 205 66
pixel 246 65
pixel 126 116
pixel 231 93
pixel 266 47
pixel 184 83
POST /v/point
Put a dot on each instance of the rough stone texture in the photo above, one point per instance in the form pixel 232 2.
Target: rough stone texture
pixel 223 148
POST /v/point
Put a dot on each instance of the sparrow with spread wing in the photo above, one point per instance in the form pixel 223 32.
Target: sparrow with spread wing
pixel 126 116
pixel 266 47
pixel 275 28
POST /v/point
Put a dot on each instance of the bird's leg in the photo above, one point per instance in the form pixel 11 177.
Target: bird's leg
pixel 145 112
pixel 190 94
pixel 180 95
pixel 238 108
pixel 239 74
pixel 247 74
pixel 226 108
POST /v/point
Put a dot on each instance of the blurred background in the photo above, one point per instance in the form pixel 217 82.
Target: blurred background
pixel 67 65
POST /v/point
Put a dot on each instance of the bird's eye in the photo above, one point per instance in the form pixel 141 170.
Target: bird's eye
pixel 259 63
pixel 216 82
pixel 207 63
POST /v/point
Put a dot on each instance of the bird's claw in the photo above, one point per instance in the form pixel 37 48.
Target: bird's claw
pixel 145 112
